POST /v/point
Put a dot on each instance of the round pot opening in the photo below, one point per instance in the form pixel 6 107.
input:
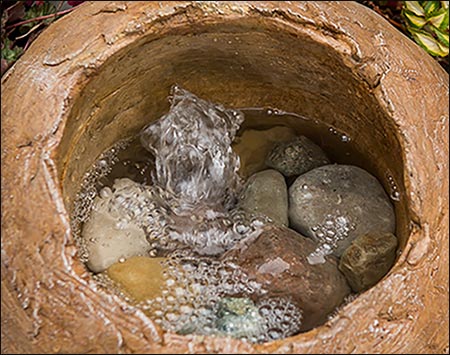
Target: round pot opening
pixel 239 64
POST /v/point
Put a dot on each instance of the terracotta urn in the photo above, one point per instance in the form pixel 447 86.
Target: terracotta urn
pixel 102 72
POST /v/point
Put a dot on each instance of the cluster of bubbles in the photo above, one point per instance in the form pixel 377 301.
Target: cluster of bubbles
pixel 84 200
pixel 204 231
pixel 209 296
pixel 215 236
pixel 342 136
pixel 394 193
pixel 329 233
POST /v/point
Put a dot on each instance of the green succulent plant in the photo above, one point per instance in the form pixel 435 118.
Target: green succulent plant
pixel 427 22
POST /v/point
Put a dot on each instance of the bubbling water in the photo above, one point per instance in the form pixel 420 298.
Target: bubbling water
pixel 197 295
pixel 192 146
pixel 186 209
pixel 84 200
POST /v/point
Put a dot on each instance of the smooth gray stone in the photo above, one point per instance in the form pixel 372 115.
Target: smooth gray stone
pixel 266 193
pixel 296 157
pixel 334 204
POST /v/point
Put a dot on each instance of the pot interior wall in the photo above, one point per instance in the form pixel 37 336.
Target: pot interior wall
pixel 242 64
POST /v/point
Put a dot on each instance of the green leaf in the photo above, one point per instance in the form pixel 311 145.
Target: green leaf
pixel 431 6
pixel 34 11
pixel 442 37
pixel 11 54
pixel 46 8
pixel 415 8
pixel 444 23
pixel 430 44
pixel 413 20
pixel 438 18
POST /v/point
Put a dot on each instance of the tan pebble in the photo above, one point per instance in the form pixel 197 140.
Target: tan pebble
pixel 140 277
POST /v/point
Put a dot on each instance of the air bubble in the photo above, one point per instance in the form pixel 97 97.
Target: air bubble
pixel 329 234
pixel 345 138
pixel 395 195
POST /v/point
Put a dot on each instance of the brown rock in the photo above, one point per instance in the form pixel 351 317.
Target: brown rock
pixel 253 146
pixel 140 277
pixel 368 259
pixel 277 259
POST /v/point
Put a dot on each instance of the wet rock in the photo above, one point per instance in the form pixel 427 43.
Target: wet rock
pixel 266 193
pixel 140 277
pixel 109 233
pixel 107 244
pixel 334 204
pixel 253 146
pixel 368 259
pixel 278 260
pixel 296 157
pixel 239 318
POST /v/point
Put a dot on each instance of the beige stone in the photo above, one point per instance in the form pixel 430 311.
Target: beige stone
pixel 106 244
pixel 108 234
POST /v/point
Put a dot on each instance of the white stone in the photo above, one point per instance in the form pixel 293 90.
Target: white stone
pixel 106 241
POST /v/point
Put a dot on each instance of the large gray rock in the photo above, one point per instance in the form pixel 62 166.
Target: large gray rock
pixel 277 259
pixel 110 234
pixel 266 193
pixel 296 157
pixel 334 204
pixel 368 259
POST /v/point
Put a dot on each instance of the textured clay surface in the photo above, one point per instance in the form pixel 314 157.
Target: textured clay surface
pixel 66 101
